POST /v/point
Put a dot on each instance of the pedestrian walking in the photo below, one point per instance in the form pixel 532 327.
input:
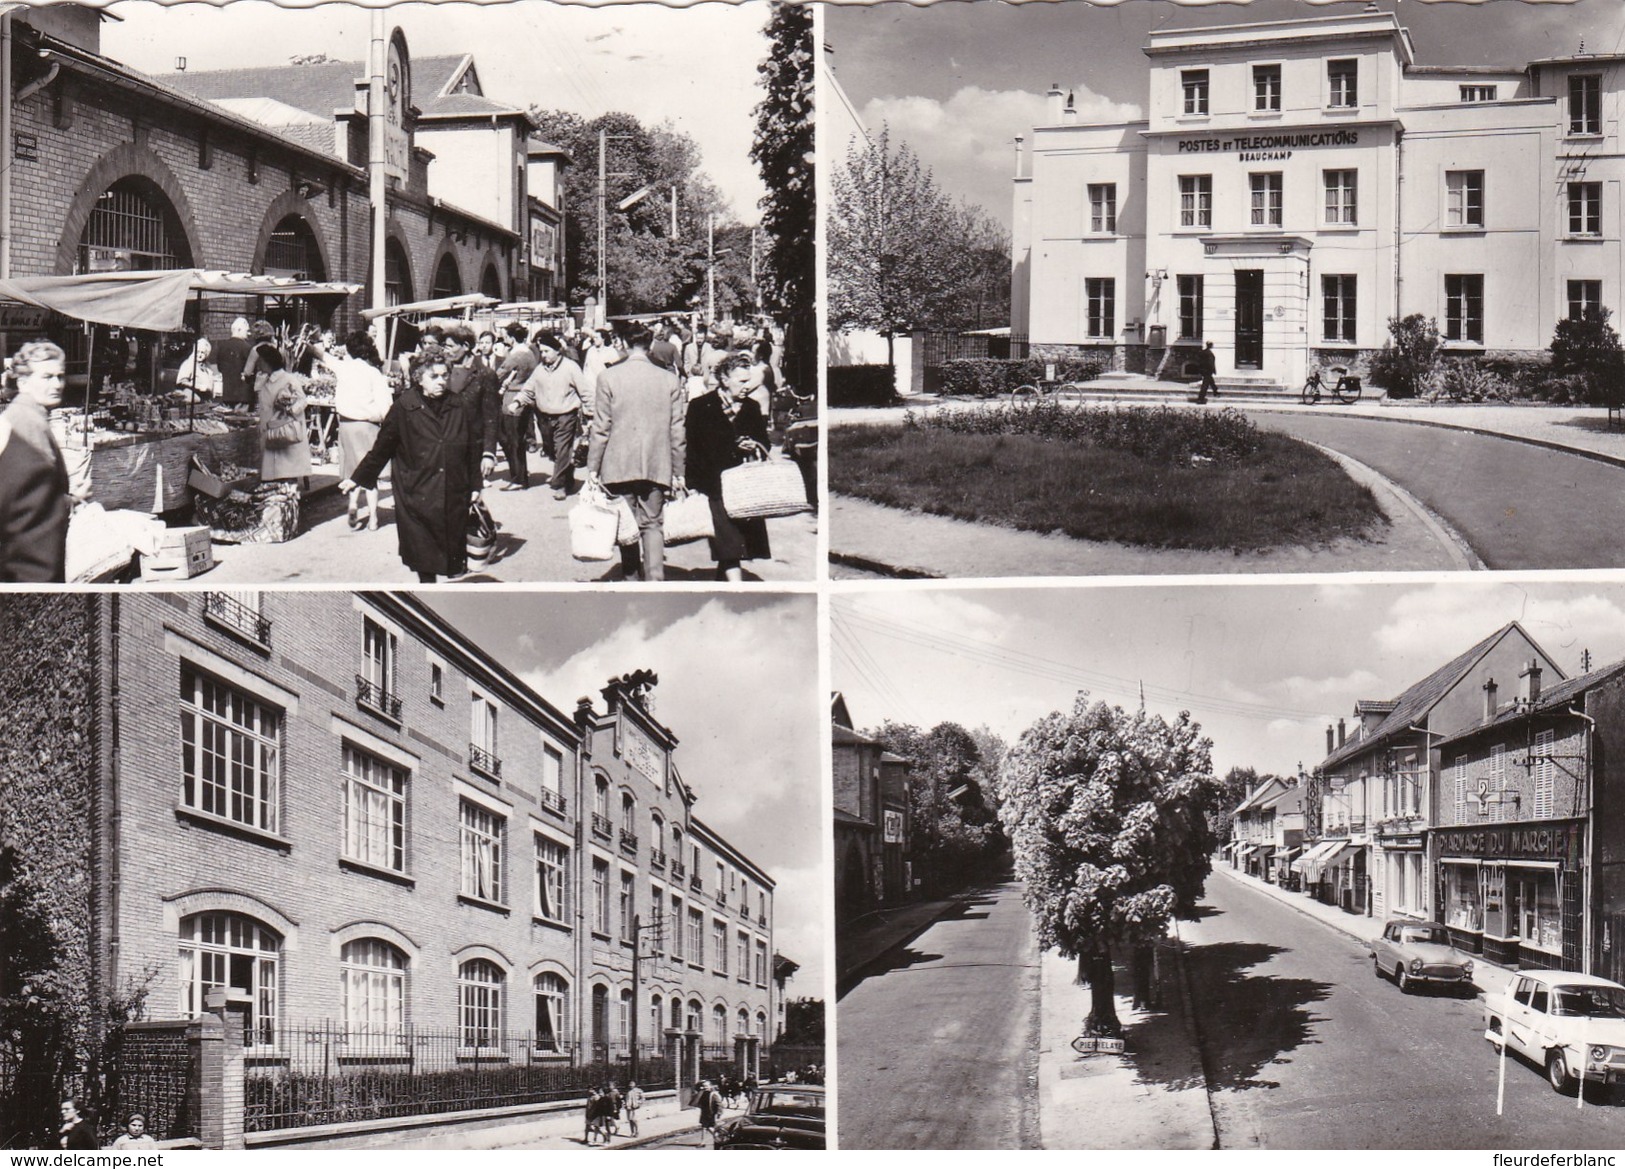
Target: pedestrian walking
pixel 558 390
pixel 633 1103
pixel 710 1101
pixel 1208 363
pixel 636 450
pixel 726 428
pixel 135 1134
pixel 433 439
pixel 77 1131
pixel 34 491
pixel 281 404
pixel 593 1115
pixel 478 384
pixel 361 398
pixel 613 1102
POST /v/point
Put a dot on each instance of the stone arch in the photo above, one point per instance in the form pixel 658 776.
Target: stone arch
pixel 129 161
pixel 395 237
pixel 291 203
pixel 492 282
pixel 478 950
pixel 447 251
pixel 356 930
pixel 195 901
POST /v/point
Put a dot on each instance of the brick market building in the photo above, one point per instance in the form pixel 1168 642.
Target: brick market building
pixel 339 805
pixel 264 171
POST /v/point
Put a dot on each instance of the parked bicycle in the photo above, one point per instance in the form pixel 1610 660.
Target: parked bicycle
pixel 1346 390
pixel 1045 387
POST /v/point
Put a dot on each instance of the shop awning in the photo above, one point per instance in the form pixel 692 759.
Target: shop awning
pixel 153 300
pixel 1265 850
pixel 1245 851
pixel 468 301
pixel 1313 866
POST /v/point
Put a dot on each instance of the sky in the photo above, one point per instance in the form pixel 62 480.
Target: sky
pixel 1262 667
pixel 739 689
pixel 694 67
pixel 958 81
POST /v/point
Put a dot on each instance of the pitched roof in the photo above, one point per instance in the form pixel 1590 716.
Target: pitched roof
pixel 1260 795
pixel 1419 699
pixel 464 105
pixel 1559 695
pixel 318 89
pixel 1291 800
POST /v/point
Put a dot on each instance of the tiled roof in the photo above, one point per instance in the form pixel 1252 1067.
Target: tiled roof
pixel 1418 700
pixel 463 105
pixel 1258 797
pixel 431 75
pixel 1561 694
pixel 847 735
pixel 319 89
pixel 1291 800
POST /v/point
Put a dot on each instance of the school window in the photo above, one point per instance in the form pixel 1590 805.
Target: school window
pixel 676 928
pixel 481 852
pixel 600 896
pixel 1194 84
pixel 374 811
pixel 1477 93
pixel 552 867
pixel 372 983
pixel 1585 208
pixel 1464 308
pixel 696 937
pixel 226 949
pixel 230 757
pixel 1266 199
pixel 1543 770
pixel 1103 208
pixel 1195 200
pixel 552 778
pixel 1190 308
pixel 1341 197
pixel 719 946
pixel 626 904
pixel 1343 83
pixel 437 683
pixel 1464 198
pixel 657 919
pixel 552 1007
pixel 1267 89
pixel 1102 306
pixel 378 668
pixel 479 1004
pixel 1585 103
pixel 483 736
pixel 761 963
pixel 742 957
pixel 1338 308
pixel 1585 298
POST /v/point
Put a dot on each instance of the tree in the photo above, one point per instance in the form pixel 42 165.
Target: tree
pixel 1107 814
pixel 955 829
pixel 982 286
pixel 783 153
pixel 892 252
pixel 803 1023
pixel 1403 365
pixel 1588 346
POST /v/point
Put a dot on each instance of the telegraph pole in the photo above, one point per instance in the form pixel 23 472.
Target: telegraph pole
pixel 658 926
pixel 603 216
pixel 711 267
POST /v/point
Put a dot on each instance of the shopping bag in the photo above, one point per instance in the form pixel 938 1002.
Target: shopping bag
pixel 593 523
pixel 482 535
pixel 285 431
pixel 763 489
pixel 688 518
pixel 626 522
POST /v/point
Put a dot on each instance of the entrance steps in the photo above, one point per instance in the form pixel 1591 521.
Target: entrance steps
pixel 1249 389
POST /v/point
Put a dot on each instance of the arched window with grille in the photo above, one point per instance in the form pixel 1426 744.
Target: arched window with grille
pixel 132 228
pixel 448 281
pixel 372 977
pixel 292 250
pixel 397 274
pixel 552 1012
pixel 479 1002
pixel 231 950
pixel 491 282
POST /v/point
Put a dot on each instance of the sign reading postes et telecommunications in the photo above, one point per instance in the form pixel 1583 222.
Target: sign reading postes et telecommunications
pixel 1264 147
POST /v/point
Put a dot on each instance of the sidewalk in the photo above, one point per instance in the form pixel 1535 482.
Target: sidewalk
pixel 871 936
pixel 1488 977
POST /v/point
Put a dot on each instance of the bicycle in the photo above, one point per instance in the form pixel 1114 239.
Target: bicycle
pixel 1044 387
pixel 1346 390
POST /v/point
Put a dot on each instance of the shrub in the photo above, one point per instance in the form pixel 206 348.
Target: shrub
pixel 986 376
pixel 861 385
pixel 1402 365
pixel 1467 379
pixel 1166 436
pixel 1589 347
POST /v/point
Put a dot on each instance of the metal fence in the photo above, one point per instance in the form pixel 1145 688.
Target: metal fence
pixel 322 1073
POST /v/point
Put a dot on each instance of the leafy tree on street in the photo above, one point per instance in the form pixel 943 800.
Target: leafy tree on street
pixel 1404 365
pixel 956 830
pixel 783 153
pixel 1107 814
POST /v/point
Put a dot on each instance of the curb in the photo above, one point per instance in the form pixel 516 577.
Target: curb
pixel 1331 925
pixel 1194 1029
pixel 845 980
pixel 1461 552
pixel 866 564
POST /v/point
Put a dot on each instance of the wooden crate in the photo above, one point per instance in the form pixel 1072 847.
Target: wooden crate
pixel 124 473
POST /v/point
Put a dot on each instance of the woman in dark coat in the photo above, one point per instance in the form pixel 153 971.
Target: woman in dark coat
pixel 435 441
pixel 726 428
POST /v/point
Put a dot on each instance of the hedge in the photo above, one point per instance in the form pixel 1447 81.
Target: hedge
pixel 986 376
pixel 861 385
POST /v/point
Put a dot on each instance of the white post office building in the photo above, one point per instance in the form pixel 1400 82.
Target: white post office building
pixel 1297 183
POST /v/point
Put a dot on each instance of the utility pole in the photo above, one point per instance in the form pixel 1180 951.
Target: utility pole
pixel 377 185
pixel 603 216
pixel 658 926
pixel 711 267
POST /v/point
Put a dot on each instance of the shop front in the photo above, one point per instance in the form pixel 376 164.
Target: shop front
pixel 1515 892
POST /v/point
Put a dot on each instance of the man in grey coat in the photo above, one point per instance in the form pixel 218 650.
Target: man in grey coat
pixel 636 446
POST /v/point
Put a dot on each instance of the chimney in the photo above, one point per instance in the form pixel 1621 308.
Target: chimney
pixel 1342 733
pixel 1070 112
pixel 1529 683
pixel 1330 746
pixel 1490 704
pixel 1053 106
pixel 1019 140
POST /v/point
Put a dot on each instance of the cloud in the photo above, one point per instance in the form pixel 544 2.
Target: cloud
pixel 1435 624
pixel 968 140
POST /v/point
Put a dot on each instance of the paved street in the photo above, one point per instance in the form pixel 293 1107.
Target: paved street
pixel 533 544
pixel 1517 505
pixel 1305 1048
pixel 938 1046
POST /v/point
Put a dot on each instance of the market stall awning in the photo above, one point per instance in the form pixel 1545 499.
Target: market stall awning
pixel 150 300
pixel 431 308
pixel 1313 866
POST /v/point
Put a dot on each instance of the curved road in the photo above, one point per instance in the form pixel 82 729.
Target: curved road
pixel 1517 505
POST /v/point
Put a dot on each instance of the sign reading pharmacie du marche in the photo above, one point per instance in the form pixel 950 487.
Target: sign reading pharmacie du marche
pixel 1559 841
pixel 1265 147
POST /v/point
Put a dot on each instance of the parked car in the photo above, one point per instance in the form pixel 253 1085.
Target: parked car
pixel 1419 953
pixel 780 1116
pixel 1573 1025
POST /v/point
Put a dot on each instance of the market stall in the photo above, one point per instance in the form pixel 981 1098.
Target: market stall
pixel 403 322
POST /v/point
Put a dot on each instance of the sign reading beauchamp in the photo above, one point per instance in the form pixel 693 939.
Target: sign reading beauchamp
pixel 1260 147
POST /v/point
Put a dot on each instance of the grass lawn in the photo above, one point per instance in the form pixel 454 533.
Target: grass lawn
pixel 1285 494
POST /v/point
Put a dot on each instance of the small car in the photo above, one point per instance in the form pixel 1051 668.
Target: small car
pixel 780 1116
pixel 1573 1025
pixel 1419 953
